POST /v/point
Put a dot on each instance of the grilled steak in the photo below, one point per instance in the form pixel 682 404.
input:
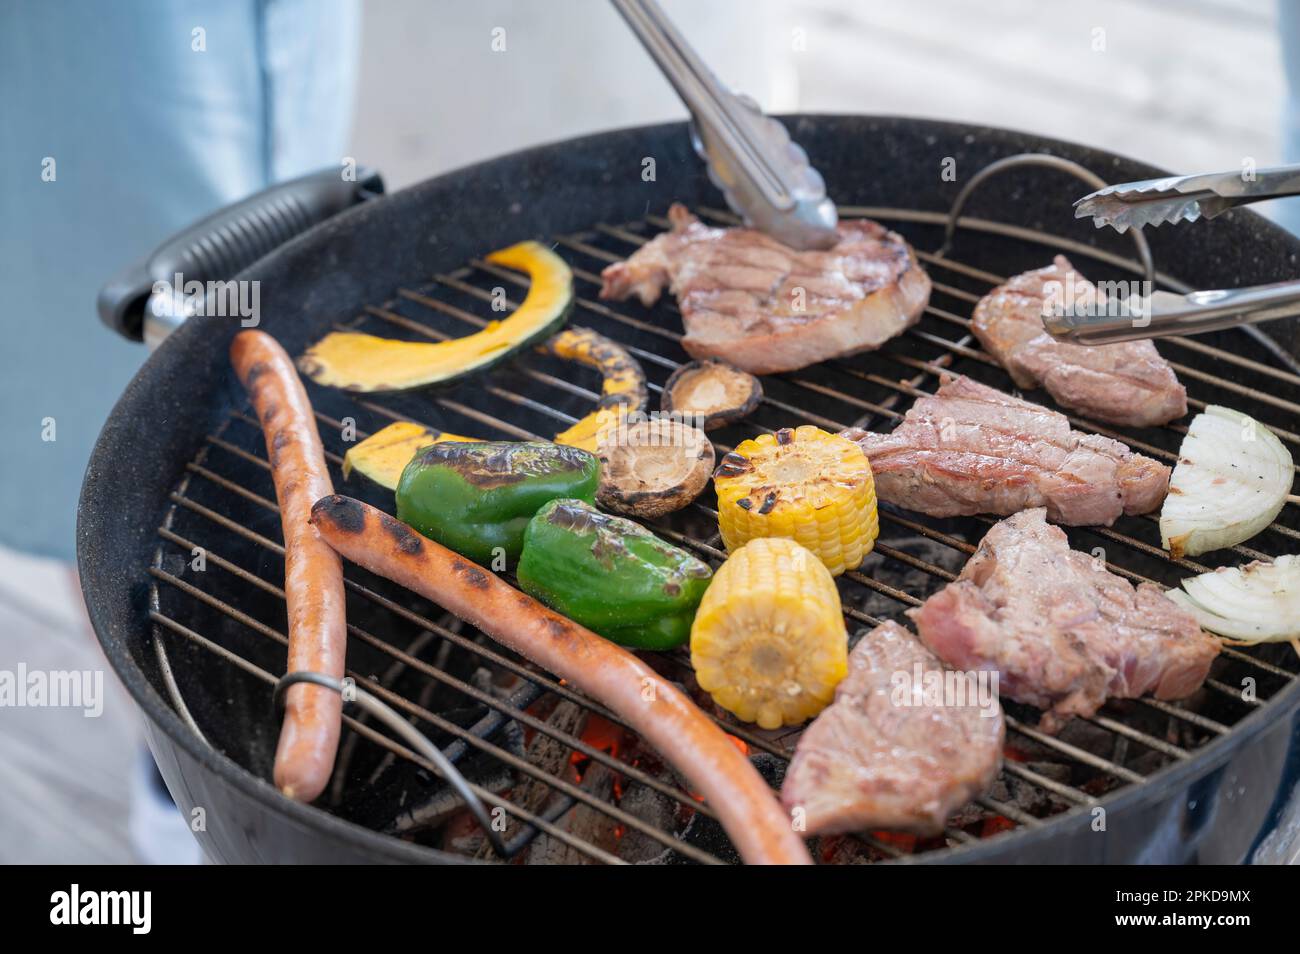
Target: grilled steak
pixel 870 762
pixel 1064 633
pixel 764 307
pixel 971 449
pixel 1127 383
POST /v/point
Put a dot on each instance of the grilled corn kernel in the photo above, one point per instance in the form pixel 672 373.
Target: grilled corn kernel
pixel 768 642
pixel 804 484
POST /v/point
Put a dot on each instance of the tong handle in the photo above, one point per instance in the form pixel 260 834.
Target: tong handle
pixel 765 176
pixel 710 103
pixel 1269 183
pixel 1170 315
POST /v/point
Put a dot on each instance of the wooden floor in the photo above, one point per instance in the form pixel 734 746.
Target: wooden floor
pixel 1194 85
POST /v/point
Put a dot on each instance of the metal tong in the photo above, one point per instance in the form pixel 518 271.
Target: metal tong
pixel 1184 198
pixel 1162 314
pixel 764 175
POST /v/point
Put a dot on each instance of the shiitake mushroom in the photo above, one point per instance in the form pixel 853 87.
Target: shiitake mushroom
pixel 652 467
pixel 712 390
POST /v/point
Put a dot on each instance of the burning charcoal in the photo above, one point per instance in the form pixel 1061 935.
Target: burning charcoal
pixel 655 809
pixel 900 575
pixel 585 823
pixel 846 850
pixel 770 767
pixel 435 811
pixel 1085 735
pixel 550 756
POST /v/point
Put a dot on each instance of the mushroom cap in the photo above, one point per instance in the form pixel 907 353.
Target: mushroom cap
pixel 713 390
pixel 652 467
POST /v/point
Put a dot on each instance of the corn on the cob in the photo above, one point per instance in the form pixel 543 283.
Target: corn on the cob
pixel 803 484
pixel 768 641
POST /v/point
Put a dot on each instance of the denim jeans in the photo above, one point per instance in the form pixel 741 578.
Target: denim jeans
pixel 119 124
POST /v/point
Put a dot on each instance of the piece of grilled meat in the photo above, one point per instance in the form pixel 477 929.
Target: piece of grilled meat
pixel 970 448
pixel 1126 383
pixel 881 756
pixel 764 307
pixel 1064 633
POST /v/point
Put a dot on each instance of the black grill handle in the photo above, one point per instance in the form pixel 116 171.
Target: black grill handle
pixel 229 240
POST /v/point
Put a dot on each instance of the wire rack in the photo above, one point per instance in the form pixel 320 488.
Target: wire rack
pixel 425 664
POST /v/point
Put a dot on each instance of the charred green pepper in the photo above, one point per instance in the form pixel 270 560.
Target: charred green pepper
pixel 477 497
pixel 611 575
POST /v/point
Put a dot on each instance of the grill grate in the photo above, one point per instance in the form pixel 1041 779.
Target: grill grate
pixel 494 715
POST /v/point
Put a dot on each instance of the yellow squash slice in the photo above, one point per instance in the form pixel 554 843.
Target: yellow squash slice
pixel 623 389
pixel 366 363
pixel 383 456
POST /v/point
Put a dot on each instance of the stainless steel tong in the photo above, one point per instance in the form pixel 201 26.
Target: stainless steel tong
pixel 1184 198
pixel 1164 314
pixel 1159 314
pixel 764 175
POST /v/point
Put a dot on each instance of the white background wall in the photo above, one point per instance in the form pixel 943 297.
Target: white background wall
pixel 1193 85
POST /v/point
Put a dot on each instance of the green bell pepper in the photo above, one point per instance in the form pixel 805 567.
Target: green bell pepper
pixel 477 497
pixel 611 575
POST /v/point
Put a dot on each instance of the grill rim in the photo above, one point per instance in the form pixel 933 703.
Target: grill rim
pixel 102 496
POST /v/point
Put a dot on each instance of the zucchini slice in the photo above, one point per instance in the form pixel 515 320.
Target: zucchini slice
pixel 364 363
pixel 384 455
pixel 623 390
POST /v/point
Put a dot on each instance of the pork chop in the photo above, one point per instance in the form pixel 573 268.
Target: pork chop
pixel 871 761
pixel 970 448
pixel 1064 632
pixel 764 307
pixel 1125 383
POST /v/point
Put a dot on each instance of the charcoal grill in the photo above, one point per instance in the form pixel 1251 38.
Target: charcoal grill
pixel 180 555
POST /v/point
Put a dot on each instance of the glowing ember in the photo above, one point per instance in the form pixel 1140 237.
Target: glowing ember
pixel 994 824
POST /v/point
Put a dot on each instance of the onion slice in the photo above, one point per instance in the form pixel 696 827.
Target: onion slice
pixel 1232 477
pixel 1258 603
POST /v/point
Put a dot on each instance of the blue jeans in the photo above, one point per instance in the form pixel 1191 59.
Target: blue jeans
pixel 119 124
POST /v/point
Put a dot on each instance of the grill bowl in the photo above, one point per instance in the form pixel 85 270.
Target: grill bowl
pixel 161 454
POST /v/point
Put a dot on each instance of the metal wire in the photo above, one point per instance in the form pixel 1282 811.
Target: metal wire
pixel 409 734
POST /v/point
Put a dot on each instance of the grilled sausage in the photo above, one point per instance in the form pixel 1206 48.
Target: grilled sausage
pixel 650 704
pixel 313 572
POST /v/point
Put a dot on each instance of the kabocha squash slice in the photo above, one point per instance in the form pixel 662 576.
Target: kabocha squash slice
pixel 365 363
pixel 384 455
pixel 623 390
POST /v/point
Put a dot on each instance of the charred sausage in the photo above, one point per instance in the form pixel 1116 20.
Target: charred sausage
pixel 313 572
pixel 654 707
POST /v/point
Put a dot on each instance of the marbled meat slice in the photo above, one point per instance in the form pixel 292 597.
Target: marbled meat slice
pixel 764 307
pixel 870 762
pixel 970 448
pixel 1063 632
pixel 1126 383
